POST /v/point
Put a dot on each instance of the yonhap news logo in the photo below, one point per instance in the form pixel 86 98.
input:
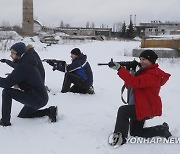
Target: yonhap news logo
pixel 153 140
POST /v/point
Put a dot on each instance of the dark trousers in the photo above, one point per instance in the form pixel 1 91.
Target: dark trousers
pixel 31 105
pixel 126 120
pixel 79 85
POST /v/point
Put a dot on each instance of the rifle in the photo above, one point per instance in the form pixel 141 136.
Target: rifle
pixel 54 63
pixel 129 65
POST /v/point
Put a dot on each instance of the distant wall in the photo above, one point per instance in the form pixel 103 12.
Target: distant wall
pixel 175 32
pixel 171 53
pixel 173 44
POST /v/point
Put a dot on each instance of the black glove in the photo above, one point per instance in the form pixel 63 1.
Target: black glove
pixel 2 60
pixel 50 63
pixel 63 63
pixel 111 64
pixel 54 67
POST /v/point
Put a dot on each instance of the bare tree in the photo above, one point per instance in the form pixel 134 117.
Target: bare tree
pixel 92 25
pixel 87 24
pixel 62 24
pixel 102 26
pixel 5 24
pixel 67 25
pixel 117 27
pixel 18 29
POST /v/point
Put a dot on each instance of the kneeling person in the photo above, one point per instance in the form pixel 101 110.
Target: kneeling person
pixel 144 100
pixel 78 73
pixel 32 91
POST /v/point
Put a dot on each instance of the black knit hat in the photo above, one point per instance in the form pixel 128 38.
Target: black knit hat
pixel 149 55
pixel 76 51
pixel 20 48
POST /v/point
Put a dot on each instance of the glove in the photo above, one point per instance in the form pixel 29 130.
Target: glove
pixel 50 62
pixel 54 67
pixel 3 60
pixel 63 63
pixel 114 65
pixel 59 65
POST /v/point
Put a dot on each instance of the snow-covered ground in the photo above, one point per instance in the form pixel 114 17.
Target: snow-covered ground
pixel 86 121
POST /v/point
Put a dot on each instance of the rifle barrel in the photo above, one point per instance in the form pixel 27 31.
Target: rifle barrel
pixel 99 64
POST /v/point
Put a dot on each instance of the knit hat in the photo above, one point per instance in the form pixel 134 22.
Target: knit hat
pixel 76 51
pixel 149 55
pixel 20 48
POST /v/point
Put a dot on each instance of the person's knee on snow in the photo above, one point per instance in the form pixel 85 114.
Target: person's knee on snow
pixel 28 112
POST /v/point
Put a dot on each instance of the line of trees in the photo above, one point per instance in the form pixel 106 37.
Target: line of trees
pixel 128 32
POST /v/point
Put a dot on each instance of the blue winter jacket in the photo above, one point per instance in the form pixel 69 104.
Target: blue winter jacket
pixel 81 68
pixel 27 77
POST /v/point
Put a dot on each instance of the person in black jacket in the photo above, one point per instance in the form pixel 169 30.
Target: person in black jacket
pixel 32 91
pixel 78 73
pixel 40 66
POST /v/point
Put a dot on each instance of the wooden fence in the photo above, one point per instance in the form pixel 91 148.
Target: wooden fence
pixel 173 44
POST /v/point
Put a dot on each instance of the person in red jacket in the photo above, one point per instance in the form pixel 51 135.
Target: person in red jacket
pixel 144 100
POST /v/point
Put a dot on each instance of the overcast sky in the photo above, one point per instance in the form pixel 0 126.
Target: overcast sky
pixel 78 12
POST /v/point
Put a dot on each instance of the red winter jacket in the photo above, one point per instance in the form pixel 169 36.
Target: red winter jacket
pixel 146 86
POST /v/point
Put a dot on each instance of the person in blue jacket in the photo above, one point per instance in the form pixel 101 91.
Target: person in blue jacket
pixel 32 92
pixel 78 73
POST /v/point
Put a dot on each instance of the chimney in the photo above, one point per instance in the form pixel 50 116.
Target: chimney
pixel 28 22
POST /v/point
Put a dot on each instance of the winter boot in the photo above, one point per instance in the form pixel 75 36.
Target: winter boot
pixel 52 113
pixel 4 124
pixel 165 130
pixel 116 140
pixel 91 90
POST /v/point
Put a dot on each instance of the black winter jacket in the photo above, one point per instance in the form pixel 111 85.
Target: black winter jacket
pixel 27 77
pixel 39 63
pixel 37 60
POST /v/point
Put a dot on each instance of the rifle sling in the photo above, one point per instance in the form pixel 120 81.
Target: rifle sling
pixel 122 90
